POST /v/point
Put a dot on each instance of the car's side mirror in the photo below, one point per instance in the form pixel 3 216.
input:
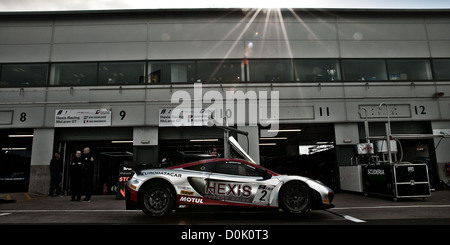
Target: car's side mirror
pixel 263 173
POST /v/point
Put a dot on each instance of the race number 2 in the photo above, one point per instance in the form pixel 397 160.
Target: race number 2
pixel 262 195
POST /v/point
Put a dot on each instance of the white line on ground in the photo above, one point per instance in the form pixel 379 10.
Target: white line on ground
pixel 348 217
pixel 409 206
pixel 56 210
pixel 353 219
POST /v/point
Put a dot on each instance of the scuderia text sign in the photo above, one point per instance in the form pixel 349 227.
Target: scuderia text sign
pixel 82 117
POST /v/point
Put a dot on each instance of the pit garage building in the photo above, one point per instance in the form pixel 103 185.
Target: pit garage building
pixel 106 79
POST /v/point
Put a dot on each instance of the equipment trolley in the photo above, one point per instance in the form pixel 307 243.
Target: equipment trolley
pixel 397 180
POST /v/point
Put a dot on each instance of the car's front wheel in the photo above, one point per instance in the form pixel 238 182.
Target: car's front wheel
pixel 295 197
pixel 157 199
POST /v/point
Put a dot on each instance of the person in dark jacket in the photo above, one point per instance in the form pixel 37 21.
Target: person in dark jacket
pixel 56 166
pixel 76 176
pixel 88 174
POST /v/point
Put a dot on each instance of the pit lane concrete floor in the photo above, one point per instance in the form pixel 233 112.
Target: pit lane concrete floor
pixel 350 208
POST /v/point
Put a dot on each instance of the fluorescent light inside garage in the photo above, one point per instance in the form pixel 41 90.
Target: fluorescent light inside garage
pixel 204 140
pixel 283 130
pixel 20 136
pixel 122 141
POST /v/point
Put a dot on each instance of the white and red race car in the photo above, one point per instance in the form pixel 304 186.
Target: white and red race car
pixel 223 181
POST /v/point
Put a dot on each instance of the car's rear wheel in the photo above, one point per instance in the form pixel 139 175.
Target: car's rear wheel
pixel 157 199
pixel 295 197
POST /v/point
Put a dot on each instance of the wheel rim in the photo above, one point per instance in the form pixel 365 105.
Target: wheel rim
pixel 296 197
pixel 157 199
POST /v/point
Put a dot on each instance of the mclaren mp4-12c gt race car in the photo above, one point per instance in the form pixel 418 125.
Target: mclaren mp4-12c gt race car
pixel 223 181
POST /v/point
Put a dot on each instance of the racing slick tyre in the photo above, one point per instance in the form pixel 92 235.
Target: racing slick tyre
pixel 295 197
pixel 157 199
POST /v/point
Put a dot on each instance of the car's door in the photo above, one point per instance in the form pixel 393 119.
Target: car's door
pixel 237 182
pixel 197 176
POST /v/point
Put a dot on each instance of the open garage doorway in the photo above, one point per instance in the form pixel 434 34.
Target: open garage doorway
pixel 302 149
pixel 15 159
pixel 108 157
pixel 414 140
pixel 110 148
pixel 188 144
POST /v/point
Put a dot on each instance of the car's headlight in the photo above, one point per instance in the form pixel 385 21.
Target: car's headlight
pixel 134 183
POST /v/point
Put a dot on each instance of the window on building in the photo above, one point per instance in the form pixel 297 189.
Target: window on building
pixel 409 70
pixel 121 73
pixel 223 71
pixel 74 74
pixel 441 69
pixel 23 75
pixel 360 70
pixel 317 70
pixel 270 71
pixel 171 72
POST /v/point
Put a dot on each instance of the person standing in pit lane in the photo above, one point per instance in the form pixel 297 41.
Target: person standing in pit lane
pixel 88 173
pixel 56 167
pixel 76 176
